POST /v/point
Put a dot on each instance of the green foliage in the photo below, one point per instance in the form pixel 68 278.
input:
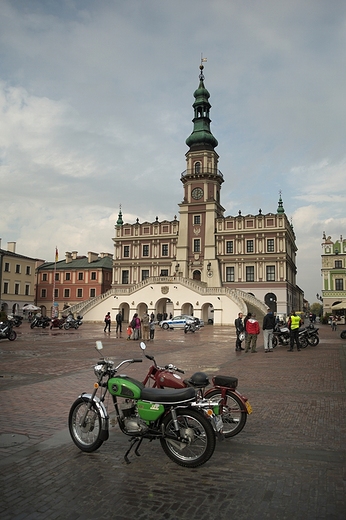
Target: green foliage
pixel 316 308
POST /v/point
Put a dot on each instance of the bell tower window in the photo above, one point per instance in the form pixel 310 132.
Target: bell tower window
pixel 197 167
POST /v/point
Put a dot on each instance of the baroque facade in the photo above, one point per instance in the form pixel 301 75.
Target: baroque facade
pixel 333 272
pixel 205 263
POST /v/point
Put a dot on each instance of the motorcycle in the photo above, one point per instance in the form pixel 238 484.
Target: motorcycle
pixel 174 417
pixel 40 321
pixel 191 326
pixel 57 323
pixel 6 330
pixel 343 334
pixel 235 407
pixel 308 336
pixel 281 336
pixel 73 323
pixel 16 320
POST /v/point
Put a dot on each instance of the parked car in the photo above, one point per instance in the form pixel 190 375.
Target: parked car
pixel 179 322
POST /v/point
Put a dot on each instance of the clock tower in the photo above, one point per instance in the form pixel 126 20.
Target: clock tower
pixel 196 248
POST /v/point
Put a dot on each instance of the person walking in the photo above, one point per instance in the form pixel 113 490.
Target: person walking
pixel 145 326
pixel 119 320
pixel 294 322
pixel 136 326
pixel 334 322
pixel 252 329
pixel 268 329
pixel 107 322
pixel 239 328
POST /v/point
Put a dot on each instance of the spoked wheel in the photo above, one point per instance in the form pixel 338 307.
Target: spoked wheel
pixel 314 340
pixel 275 341
pixel 195 428
pixel 12 335
pixel 234 414
pixel 85 426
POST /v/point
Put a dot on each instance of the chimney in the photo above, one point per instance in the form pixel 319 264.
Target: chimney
pixel 68 257
pixel 74 255
pixel 11 247
pixel 92 257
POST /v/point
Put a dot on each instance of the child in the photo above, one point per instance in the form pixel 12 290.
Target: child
pixel 129 332
pixel 151 329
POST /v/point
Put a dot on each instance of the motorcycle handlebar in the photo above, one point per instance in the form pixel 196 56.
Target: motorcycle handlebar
pixel 137 360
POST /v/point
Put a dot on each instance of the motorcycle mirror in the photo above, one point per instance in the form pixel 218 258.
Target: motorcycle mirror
pixel 99 345
pixel 142 345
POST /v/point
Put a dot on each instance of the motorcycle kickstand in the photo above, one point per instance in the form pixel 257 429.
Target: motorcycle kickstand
pixel 134 441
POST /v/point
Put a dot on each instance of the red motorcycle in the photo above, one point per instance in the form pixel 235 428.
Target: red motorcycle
pixel 235 406
pixel 57 323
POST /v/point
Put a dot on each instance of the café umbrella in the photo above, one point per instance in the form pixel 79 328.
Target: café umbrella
pixel 30 307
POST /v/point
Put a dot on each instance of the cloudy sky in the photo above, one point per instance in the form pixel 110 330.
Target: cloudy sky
pixel 96 99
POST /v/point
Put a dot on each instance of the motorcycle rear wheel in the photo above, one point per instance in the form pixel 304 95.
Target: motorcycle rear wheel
pixel 234 414
pixel 313 340
pixel 87 437
pixel 343 334
pixel 198 429
pixel 66 326
pixel 303 342
pixel 275 341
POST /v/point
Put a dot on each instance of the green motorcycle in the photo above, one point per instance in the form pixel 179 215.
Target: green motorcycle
pixel 184 426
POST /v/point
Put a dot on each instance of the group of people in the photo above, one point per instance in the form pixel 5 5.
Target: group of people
pixel 143 327
pixel 248 330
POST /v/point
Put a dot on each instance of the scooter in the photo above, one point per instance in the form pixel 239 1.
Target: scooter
pixel 235 406
pixel 6 331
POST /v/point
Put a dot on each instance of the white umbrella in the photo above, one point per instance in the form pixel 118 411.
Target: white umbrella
pixel 30 307
pixel 339 306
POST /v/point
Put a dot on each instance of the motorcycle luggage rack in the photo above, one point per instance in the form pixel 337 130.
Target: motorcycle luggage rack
pixel 228 381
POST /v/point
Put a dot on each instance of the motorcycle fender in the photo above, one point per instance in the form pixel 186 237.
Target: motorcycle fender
pixel 103 414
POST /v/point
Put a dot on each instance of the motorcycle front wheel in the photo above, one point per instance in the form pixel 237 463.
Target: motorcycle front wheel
pixel 275 341
pixel 86 434
pixel 343 334
pixel 303 342
pixel 195 428
pixel 12 335
pixel 32 325
pixel 234 413
pixel 66 326
pixel 313 340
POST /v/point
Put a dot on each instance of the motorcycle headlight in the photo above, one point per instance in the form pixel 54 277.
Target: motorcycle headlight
pixel 99 370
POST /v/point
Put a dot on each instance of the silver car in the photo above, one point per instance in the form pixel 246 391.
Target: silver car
pixel 179 322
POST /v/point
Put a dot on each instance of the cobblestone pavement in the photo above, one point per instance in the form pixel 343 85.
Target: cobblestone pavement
pixel 288 462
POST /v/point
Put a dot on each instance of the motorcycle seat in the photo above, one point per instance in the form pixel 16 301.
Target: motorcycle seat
pixel 164 396
pixel 228 381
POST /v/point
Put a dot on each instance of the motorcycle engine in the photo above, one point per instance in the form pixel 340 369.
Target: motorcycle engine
pixel 133 423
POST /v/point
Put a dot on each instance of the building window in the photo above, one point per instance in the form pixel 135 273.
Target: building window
pixel 17 269
pixel 338 264
pixel 270 272
pixel 249 246
pixel 146 230
pixel 28 270
pixel 229 274
pixel 7 267
pixel 196 245
pixel 250 273
pixel 339 284
pixel 126 251
pixel 197 220
pixel 164 249
pixel 270 245
pixel 197 167
pixel 93 275
pixel 146 250
pixel 165 229
pixel 79 293
pixel 125 276
pixel 44 277
pixel 56 277
pixel 5 287
pixel 80 276
pixel 249 223
pixel 44 293
pixel 229 246
pixel 66 293
pixel 145 274
pixel 27 290
pixel 92 293
pixel 164 272
pixel 56 293
pixel 67 276
pixel 16 288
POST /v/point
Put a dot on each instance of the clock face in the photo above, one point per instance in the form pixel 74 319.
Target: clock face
pixel 197 193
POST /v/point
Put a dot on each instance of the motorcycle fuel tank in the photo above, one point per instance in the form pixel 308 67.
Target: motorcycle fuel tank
pixel 170 380
pixel 124 386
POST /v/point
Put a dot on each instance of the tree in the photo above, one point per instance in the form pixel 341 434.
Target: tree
pixel 316 308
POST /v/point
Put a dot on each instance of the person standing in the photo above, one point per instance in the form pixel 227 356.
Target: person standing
pixel 294 322
pixel 239 328
pixel 107 322
pixel 136 326
pixel 268 329
pixel 151 328
pixel 119 320
pixel 145 326
pixel 252 329
pixel 334 322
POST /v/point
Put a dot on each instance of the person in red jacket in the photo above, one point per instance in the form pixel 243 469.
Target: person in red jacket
pixel 252 329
